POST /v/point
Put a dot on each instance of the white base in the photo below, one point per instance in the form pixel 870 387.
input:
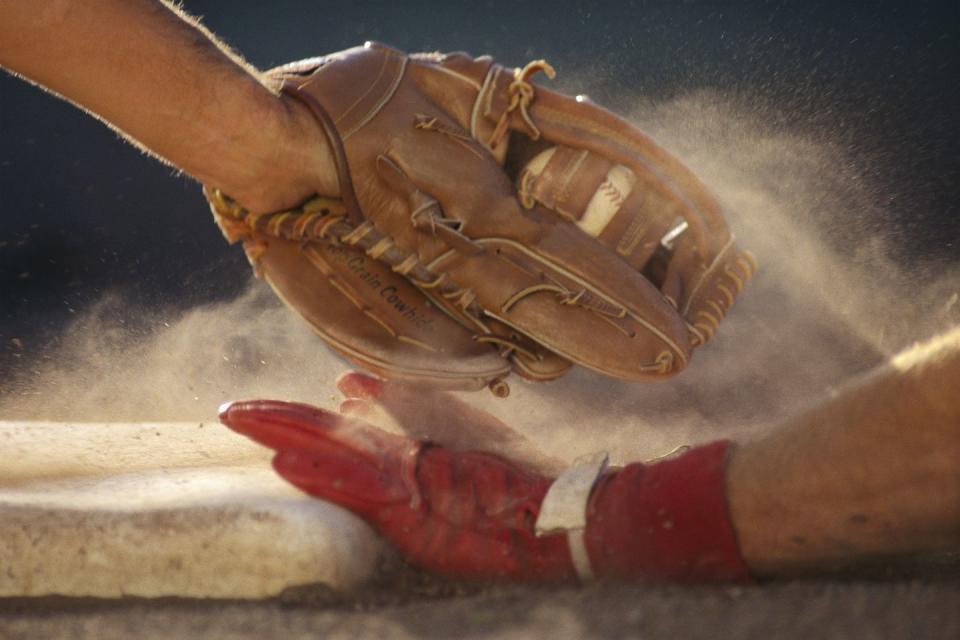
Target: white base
pixel 169 509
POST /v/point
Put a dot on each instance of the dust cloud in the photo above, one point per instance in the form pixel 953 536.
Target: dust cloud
pixel 829 302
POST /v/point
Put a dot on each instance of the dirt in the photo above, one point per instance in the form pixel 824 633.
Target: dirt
pixel 916 599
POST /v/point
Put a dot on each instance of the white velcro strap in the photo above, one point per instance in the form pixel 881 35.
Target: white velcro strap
pixel 578 554
pixel 564 508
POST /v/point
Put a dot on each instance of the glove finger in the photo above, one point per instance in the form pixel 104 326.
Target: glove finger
pixel 567 120
pixel 371 413
pixel 353 384
pixel 627 210
pixel 420 413
pixel 356 408
pixel 343 479
pixel 289 425
pixel 426 414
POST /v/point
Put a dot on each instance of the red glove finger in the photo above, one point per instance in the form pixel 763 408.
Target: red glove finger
pixel 353 384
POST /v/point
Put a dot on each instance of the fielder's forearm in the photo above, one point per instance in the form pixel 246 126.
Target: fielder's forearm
pixel 154 74
pixel 873 471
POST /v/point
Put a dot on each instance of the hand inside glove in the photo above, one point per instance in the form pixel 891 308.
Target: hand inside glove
pixel 470 514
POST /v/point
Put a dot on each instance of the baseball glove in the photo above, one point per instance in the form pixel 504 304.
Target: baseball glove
pixel 486 225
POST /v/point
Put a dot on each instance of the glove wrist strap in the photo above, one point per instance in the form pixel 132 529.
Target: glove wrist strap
pixel 564 508
pixel 335 143
pixel 666 520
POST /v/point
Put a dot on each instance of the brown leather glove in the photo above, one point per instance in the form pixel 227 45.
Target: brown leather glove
pixel 486 225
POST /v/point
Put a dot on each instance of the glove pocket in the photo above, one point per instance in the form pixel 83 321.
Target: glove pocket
pixel 375 318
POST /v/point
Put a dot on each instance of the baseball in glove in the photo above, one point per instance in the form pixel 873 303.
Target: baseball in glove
pixel 486 225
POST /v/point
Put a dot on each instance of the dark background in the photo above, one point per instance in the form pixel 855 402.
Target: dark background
pixel 83 214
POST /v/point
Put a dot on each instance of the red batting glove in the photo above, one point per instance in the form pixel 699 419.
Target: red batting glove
pixel 474 515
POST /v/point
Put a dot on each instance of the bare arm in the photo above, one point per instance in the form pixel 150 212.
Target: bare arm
pixel 873 471
pixel 153 73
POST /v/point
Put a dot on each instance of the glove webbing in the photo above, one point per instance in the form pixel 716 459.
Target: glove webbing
pixel 326 218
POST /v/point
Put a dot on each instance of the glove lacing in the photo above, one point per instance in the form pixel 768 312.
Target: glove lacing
pixel 521 94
